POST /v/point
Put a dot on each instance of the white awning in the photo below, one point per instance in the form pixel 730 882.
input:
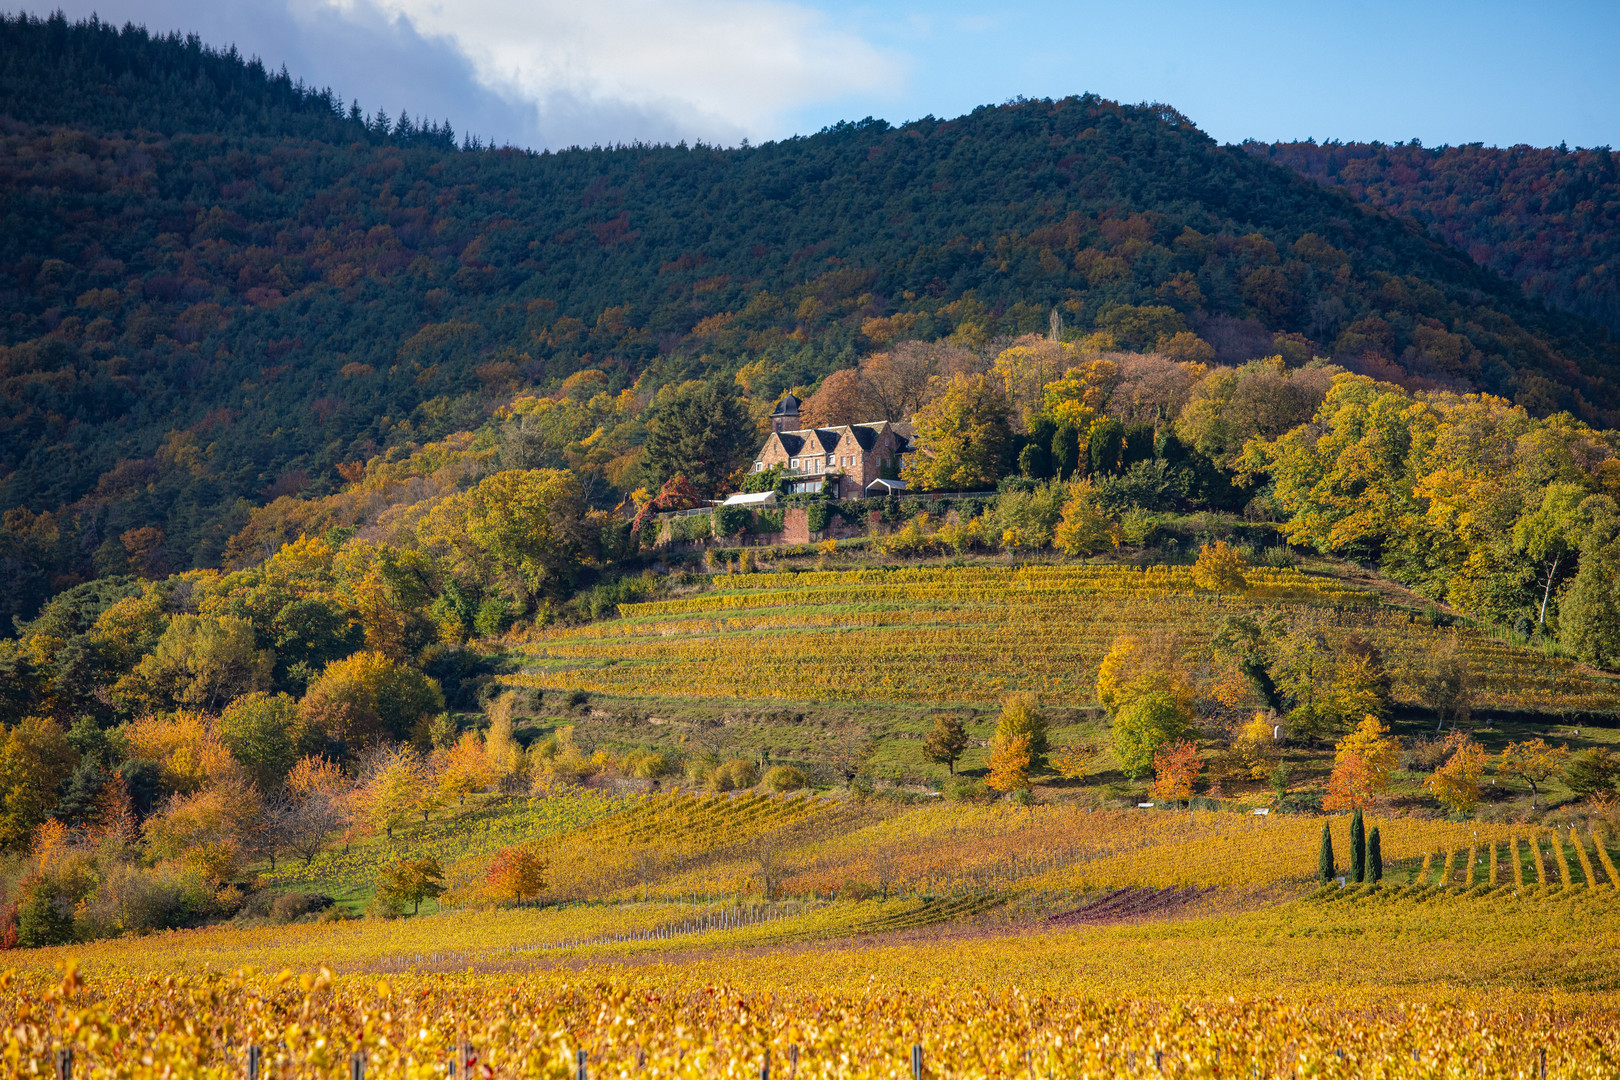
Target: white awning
pixel 881 486
pixel 756 498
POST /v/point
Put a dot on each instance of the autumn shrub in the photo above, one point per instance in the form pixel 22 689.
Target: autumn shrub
pixel 290 907
pixel 138 899
pixel 784 778
pixel 735 774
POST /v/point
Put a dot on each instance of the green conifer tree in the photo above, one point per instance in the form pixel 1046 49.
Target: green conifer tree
pixel 1324 861
pixel 1358 848
pixel 1375 856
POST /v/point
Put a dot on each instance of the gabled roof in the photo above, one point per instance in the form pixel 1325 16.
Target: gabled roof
pixel 864 435
pixel 791 441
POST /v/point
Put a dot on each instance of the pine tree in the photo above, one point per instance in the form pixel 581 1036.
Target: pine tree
pixel 1375 857
pixel 1324 862
pixel 1358 848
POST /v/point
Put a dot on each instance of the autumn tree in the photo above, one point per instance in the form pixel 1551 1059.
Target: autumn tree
pixel 463 768
pixel 35 759
pixel 963 438
pixel 1362 762
pixel 1220 568
pixel 520 533
pixel 410 881
pixel 842 398
pixel 1533 761
pixel 1456 783
pixel 260 731
pixel 1021 717
pixel 1255 745
pixel 1143 726
pixel 516 875
pixel 1260 400
pixel 1175 767
pixel 1447 687
pixel 1589 609
pixel 946 741
pixel 1010 764
pixel 1085 529
pixel 391 787
pixel 207 831
pixel 200 661
pixel 367 697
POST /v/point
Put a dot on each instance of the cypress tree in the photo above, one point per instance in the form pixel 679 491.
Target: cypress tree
pixel 1358 848
pixel 1324 861
pixel 1375 856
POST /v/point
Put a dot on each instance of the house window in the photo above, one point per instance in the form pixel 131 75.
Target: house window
pixel 759 466
pixel 794 464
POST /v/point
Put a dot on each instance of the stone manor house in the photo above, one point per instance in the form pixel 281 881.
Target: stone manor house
pixel 860 459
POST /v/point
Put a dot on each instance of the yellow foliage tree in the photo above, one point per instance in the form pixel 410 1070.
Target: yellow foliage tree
pixel 963 438
pixel 1362 762
pixel 1456 783
pixel 1533 761
pixel 186 747
pixel 1010 762
pixel 464 768
pixel 1255 745
pixel 1085 529
pixel 1220 568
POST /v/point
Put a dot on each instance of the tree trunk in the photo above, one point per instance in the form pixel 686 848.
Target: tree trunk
pixel 1552 571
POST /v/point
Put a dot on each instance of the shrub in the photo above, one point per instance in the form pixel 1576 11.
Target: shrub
pixel 1591 772
pixel 784 778
pixel 289 907
pixel 43 917
pixel 141 900
pixel 736 773
pixel 967 790
pixel 647 764
pixel 494 617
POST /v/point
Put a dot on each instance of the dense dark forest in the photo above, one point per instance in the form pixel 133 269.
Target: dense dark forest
pixel 1548 218
pixel 219 287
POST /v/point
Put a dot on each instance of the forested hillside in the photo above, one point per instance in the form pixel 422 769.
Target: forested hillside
pixel 1548 218
pixel 219 288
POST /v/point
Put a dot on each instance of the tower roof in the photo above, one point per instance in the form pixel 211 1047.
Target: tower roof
pixel 788 406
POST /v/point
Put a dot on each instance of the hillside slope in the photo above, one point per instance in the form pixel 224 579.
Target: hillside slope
pixel 1547 218
pixel 206 307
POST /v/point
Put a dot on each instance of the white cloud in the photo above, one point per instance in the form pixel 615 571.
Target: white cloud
pixel 618 70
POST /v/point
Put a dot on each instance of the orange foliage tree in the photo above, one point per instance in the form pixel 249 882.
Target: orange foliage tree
pixel 516 874
pixel 1175 767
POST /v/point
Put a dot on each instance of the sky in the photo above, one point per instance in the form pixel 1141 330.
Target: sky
pixel 556 73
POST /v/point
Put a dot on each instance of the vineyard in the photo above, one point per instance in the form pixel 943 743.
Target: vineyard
pixel 976 633
pixel 702 935
pixel 1354 983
